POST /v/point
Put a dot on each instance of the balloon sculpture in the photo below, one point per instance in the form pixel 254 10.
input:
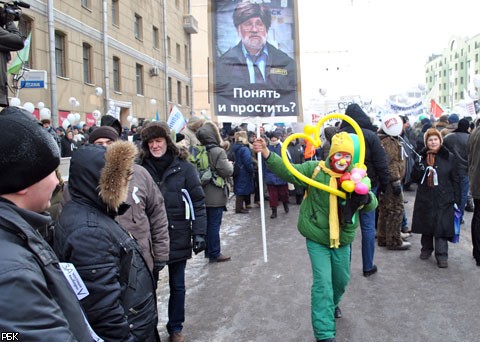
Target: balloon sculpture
pixel 356 180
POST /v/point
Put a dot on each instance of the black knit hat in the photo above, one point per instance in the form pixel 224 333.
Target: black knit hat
pixel 103 132
pixel 109 120
pixel 28 153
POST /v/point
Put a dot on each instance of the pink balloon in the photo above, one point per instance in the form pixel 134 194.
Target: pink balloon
pixel 360 171
pixel 361 189
pixel 356 177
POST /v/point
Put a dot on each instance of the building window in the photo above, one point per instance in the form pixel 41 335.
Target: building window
pixel 444 73
pixel 60 54
pixel 87 63
pixel 179 92
pixel 116 74
pixel 186 57
pixel 25 28
pixel 86 3
pixel 177 3
pixel 187 95
pixel 169 47
pixel 139 78
pixel 138 27
pixel 461 80
pixel 115 12
pixel 156 37
pixel 170 89
pixel 179 54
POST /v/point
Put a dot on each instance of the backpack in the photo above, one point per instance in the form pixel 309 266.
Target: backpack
pixel 200 158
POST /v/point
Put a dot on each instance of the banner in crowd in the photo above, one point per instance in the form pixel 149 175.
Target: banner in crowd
pixel 414 109
pixel 176 121
pixel 255 58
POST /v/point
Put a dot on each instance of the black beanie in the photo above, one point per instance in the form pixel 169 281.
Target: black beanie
pixel 28 153
pixel 103 132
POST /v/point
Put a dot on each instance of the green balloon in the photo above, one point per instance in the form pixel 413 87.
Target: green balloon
pixel 356 148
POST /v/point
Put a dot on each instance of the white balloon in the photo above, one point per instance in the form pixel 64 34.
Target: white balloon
pixel 153 102
pixel 71 118
pixel 81 123
pixel 72 101
pixel 98 91
pixel 111 104
pixel 29 106
pixel 15 101
pixel 65 124
pixel 392 124
pixel 77 104
pixel 40 105
pixel 129 118
pixel 45 113
pixel 135 121
pixel 77 118
pixel 96 114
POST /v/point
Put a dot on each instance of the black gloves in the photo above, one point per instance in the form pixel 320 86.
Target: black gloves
pixel 352 203
pixel 396 188
pixel 199 243
pixel 157 267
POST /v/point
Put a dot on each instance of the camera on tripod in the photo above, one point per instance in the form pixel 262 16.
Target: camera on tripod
pixel 12 10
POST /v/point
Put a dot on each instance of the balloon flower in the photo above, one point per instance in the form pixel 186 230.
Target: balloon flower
pixel 356 180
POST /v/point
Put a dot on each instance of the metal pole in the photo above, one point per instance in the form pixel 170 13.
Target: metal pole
pixel 165 46
pixel 53 67
pixel 262 199
pixel 105 58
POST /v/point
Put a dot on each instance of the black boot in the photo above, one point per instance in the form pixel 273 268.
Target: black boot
pixel 274 213
pixel 299 199
pixel 239 206
pixel 285 207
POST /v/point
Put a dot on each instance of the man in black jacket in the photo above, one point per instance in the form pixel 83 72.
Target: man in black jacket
pixel 377 170
pixel 121 305
pixel 36 300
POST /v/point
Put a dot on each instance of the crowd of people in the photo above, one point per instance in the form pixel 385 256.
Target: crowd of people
pixel 134 204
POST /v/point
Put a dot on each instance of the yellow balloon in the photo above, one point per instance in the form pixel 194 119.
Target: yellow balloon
pixel 309 129
pixel 315 140
pixel 348 186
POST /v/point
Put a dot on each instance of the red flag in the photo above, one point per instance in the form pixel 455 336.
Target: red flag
pixel 435 109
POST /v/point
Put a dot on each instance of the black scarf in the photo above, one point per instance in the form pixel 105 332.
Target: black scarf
pixel 162 163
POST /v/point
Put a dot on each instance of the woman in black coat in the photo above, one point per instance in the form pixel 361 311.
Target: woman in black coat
pixel 438 191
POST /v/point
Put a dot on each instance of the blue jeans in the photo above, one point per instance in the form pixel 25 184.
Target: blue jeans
pixel 367 226
pixel 176 302
pixel 214 220
pixel 464 185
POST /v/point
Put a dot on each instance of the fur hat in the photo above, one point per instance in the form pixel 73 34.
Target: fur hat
pixel 103 132
pixel 157 129
pixel 341 142
pixel 28 153
pixel 429 133
pixel 453 118
pixel 241 136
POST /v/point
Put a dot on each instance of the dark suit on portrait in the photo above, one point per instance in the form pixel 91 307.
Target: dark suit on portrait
pixel 280 75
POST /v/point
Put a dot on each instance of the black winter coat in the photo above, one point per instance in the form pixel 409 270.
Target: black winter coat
pixel 433 209
pixel 121 305
pixel 375 157
pixel 179 179
pixel 36 300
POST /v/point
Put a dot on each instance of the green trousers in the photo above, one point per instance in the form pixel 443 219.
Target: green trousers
pixel 331 273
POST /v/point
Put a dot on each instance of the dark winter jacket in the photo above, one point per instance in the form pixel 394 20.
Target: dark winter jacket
pixel 146 219
pixel 243 183
pixel 36 300
pixel 473 148
pixel 296 153
pixel 209 136
pixel 456 142
pixel 375 158
pixel 121 305
pixel 433 209
pixel 181 189
pixel 269 177
pixel 10 40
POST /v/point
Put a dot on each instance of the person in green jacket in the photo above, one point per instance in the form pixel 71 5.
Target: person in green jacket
pixel 323 222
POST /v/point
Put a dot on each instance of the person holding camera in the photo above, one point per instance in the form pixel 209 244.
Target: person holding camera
pixel 10 40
